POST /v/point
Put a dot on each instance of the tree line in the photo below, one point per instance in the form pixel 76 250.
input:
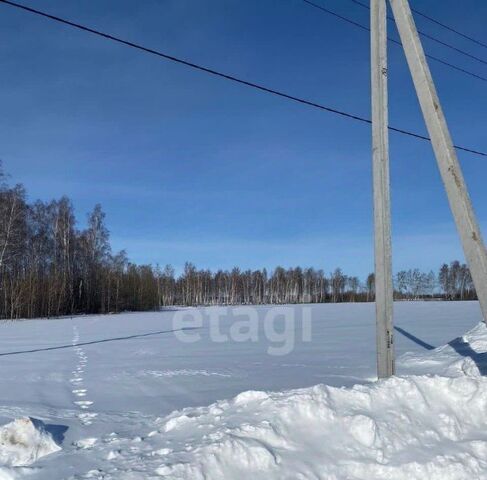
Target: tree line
pixel 50 267
pixel 305 285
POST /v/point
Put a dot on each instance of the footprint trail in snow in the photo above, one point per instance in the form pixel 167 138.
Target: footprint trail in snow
pixel 77 382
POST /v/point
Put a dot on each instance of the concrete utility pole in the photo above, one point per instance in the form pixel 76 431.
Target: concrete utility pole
pixel 382 203
pixel 446 157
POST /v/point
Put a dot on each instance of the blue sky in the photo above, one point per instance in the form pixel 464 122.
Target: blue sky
pixel 190 167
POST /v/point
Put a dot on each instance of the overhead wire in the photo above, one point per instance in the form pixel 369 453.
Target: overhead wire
pixel 394 41
pixel 428 36
pixel 226 76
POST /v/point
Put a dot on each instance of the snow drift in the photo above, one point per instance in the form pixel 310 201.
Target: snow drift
pixel 412 427
pixel 402 428
pixel 23 441
pixel 466 355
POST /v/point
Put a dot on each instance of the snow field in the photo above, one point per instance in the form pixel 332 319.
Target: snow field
pixel 312 414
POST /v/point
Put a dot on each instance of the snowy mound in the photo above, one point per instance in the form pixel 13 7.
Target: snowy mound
pixel 413 427
pixel 23 441
pixel 466 355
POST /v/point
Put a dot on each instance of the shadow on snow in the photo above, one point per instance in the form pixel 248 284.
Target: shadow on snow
pixel 464 349
pixel 416 340
pixel 57 431
pixel 460 346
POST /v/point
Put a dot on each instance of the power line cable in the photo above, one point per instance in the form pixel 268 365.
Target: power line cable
pixel 224 75
pixel 430 37
pixel 392 40
pixel 451 29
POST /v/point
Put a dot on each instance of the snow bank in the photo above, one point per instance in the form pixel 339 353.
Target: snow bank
pixel 22 442
pixel 403 428
pixel 466 355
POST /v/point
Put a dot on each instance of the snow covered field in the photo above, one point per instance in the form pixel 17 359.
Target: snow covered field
pixel 188 394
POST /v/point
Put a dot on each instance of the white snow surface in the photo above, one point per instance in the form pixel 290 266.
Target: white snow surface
pixel 127 400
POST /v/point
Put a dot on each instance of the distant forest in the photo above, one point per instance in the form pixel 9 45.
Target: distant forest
pixel 48 267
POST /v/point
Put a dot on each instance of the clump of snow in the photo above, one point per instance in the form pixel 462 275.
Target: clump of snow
pixel 23 441
pixel 86 443
pixel 402 428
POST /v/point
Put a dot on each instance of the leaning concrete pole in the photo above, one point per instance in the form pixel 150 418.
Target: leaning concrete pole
pixel 460 204
pixel 381 183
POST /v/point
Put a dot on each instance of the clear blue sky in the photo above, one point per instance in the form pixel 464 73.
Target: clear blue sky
pixel 190 167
